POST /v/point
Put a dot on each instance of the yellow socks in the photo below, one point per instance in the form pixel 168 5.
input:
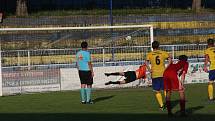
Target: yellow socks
pixel 159 98
pixel 210 91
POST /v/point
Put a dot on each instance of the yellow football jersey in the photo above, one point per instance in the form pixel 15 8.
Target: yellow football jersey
pixel 211 53
pixel 157 59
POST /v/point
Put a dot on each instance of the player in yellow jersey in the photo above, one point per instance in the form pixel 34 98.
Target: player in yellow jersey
pixel 157 59
pixel 210 58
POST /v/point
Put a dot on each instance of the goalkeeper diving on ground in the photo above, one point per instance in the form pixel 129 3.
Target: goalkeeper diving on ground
pixel 130 76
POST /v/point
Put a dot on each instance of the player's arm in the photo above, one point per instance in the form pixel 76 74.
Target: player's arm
pixel 169 58
pixel 147 62
pixel 184 72
pixel 76 64
pixel 207 59
pixel 90 65
pixel 183 77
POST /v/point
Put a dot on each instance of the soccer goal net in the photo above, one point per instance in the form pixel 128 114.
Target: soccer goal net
pixel 43 59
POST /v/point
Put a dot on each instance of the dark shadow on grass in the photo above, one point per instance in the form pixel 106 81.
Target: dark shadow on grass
pixel 191 110
pixel 103 98
pixel 100 117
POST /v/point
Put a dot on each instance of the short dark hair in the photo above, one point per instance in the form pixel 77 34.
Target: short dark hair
pixel 183 58
pixel 210 41
pixel 84 44
pixel 155 44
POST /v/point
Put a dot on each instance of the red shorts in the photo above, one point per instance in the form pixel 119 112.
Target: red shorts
pixel 171 82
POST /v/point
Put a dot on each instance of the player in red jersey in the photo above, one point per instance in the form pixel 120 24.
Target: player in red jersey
pixel 130 76
pixel 173 83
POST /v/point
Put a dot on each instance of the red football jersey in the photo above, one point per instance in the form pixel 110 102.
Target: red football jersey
pixel 178 66
pixel 171 81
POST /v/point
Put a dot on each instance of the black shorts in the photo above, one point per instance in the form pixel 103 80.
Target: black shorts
pixel 130 76
pixel 85 77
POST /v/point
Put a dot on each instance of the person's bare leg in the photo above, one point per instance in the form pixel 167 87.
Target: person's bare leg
pixel 168 102
pixel 182 102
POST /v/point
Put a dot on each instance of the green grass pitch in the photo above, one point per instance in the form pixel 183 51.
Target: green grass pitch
pixel 133 104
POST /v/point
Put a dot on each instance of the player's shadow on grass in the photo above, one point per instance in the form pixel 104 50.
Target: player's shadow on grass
pixel 188 110
pixel 103 98
pixel 193 109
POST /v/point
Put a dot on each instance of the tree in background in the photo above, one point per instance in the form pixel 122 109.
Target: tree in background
pixel 21 8
pixel 196 5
